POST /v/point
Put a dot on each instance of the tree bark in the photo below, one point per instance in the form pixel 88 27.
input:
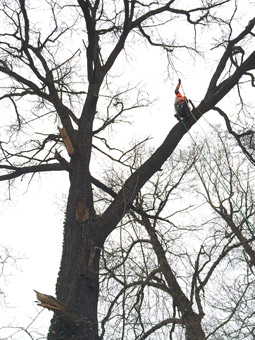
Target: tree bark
pixel 77 285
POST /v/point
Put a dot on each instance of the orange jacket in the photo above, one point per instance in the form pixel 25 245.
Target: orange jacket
pixel 179 96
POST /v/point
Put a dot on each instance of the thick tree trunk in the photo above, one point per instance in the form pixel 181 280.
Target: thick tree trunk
pixel 77 286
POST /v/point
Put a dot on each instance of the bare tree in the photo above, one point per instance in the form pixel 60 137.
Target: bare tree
pixel 38 65
pixel 6 261
pixel 231 197
pixel 228 189
pixel 139 269
pixel 189 267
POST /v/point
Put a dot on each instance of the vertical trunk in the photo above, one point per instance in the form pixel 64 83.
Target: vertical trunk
pixel 77 286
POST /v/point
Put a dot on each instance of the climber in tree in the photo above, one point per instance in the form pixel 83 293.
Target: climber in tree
pixel 181 104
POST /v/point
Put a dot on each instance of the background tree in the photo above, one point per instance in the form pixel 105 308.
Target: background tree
pixel 228 190
pixel 6 261
pixel 205 252
pixel 38 68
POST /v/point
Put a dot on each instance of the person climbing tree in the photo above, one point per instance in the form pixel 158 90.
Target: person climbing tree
pixel 181 104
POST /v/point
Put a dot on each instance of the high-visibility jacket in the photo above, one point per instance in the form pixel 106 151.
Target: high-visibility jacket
pixel 181 106
pixel 179 96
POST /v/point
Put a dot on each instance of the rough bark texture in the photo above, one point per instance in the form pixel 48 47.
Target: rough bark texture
pixel 77 285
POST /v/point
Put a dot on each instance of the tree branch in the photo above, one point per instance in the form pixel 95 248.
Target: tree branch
pixel 236 135
pixel 16 171
pixel 160 325
pixel 226 55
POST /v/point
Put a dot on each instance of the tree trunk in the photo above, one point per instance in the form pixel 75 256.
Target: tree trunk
pixel 191 320
pixel 78 285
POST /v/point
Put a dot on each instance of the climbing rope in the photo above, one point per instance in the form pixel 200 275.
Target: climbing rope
pixel 230 195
